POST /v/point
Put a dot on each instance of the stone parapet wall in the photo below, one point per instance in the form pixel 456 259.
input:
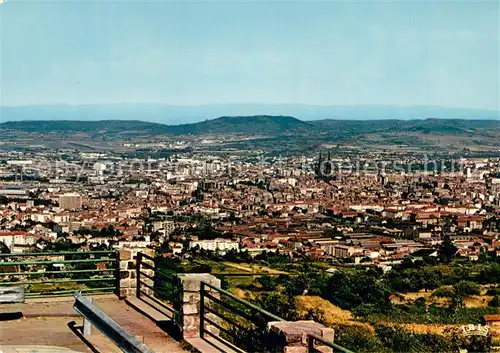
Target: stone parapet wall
pixel 128 271
pixel 294 335
pixel 189 319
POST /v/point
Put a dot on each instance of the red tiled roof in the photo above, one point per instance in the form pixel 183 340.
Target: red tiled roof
pixel 491 317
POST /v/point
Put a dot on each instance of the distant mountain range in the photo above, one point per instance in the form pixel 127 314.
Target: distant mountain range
pixel 171 114
pixel 265 125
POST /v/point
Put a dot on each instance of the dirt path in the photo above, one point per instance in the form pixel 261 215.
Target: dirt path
pixel 254 269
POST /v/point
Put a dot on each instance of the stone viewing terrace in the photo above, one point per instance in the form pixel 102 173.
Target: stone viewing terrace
pixel 54 322
pixel 128 304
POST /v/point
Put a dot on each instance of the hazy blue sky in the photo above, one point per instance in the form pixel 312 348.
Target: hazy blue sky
pixel 404 53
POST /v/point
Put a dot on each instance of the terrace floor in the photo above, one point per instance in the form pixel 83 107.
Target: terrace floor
pixel 53 322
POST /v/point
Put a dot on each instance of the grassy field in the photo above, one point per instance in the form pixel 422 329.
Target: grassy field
pixel 253 268
pixel 333 315
pixel 475 301
pixel 228 272
pixel 232 268
pixel 235 282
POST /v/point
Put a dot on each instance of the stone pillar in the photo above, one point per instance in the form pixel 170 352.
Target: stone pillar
pixel 189 307
pixel 128 268
pixel 294 335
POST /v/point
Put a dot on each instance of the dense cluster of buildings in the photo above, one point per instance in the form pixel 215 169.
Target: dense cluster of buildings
pixel 285 205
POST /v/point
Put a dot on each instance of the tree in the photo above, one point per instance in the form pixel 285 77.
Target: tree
pixel 447 250
pixel 349 291
pixel 282 305
pixel 267 283
pixel 494 302
pixel 461 291
pixel 297 285
pixel 406 263
pixel 467 288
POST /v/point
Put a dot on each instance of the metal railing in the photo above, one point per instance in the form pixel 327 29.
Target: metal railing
pixel 107 326
pixel 231 321
pixel 238 324
pixel 313 340
pixel 164 287
pixel 62 273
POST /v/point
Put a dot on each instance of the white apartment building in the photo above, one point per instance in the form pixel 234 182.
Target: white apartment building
pixel 219 244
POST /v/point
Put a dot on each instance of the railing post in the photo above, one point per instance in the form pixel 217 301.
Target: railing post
pixel 138 275
pixel 190 305
pixel 202 309
pixel 310 344
pixel 87 325
pixel 117 274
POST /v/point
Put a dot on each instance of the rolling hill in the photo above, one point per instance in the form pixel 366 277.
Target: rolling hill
pixel 68 126
pixel 289 133
pixel 254 125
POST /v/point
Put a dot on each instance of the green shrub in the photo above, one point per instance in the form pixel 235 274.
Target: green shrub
pixel 466 288
pixel 443 292
pixel 358 339
pixel 433 314
pixel 399 340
